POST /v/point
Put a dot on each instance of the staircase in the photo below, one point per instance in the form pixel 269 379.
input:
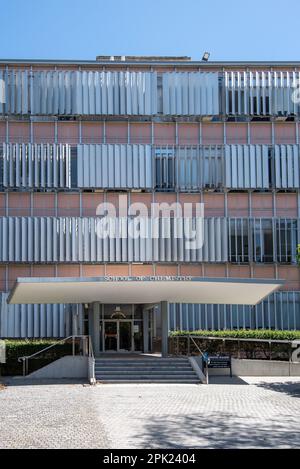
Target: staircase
pixel 145 370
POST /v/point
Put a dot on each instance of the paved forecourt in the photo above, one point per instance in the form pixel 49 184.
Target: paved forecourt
pixel 252 412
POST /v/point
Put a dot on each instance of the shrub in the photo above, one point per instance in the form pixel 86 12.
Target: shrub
pixel 179 344
pixel 26 347
pixel 244 334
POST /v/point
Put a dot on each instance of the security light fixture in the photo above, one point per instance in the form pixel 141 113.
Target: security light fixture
pixel 206 56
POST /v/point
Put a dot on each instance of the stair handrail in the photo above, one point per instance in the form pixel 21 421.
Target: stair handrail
pixel 91 362
pixel 204 358
pixel 196 345
pixel 26 358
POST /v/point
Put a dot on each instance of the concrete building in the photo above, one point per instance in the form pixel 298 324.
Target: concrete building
pixel 147 130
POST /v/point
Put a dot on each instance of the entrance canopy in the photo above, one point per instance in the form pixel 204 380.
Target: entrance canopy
pixel 139 290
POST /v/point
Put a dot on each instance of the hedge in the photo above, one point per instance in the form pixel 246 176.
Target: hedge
pixel 179 343
pixel 26 347
pixel 244 334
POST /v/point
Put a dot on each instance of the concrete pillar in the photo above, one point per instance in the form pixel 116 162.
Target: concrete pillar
pixel 146 330
pixel 94 326
pixel 164 328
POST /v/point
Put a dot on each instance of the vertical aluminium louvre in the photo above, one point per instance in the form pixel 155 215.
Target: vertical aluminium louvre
pixel 280 310
pixel 35 166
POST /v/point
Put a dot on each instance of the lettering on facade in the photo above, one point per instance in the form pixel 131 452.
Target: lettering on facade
pixel 151 278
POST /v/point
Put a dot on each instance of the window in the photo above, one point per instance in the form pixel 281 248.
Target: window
pixel 262 239
pixel 165 168
pixel 286 235
pixel 74 180
pixel 238 240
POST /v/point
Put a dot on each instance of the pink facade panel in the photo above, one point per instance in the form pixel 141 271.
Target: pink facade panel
pixel 2 205
pixel 214 270
pixel 291 275
pixel 164 134
pixel 236 134
pixel 212 134
pixel 2 132
pixel 68 271
pixel 238 204
pixel 43 205
pixel 90 203
pixel 166 269
pixel 261 133
pixel 188 134
pixel 93 270
pixel 68 132
pixel 262 205
pixel 264 271
pixel 161 197
pixel 92 132
pixel 239 271
pixel 143 198
pixel 140 133
pixel 116 132
pixel 18 204
pixel 117 269
pixel 43 271
pixel 191 269
pixel 2 278
pixel 19 132
pixel 214 205
pixel 286 205
pixel 43 132
pixel 142 269
pixel 68 205
pixel 285 132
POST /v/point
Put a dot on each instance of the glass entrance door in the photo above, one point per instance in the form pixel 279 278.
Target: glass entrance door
pixel 118 335
pixel 125 335
pixel 111 336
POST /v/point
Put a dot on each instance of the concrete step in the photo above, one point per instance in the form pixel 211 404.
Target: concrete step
pixel 143 362
pixel 149 381
pixel 140 370
pixel 145 373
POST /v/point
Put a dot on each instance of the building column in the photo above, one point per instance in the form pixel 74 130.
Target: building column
pixel 146 330
pixel 94 326
pixel 164 328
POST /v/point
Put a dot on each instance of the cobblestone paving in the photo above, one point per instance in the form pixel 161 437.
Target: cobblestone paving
pixel 249 413
pixel 50 416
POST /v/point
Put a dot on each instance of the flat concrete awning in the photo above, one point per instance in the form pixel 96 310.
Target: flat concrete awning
pixel 121 290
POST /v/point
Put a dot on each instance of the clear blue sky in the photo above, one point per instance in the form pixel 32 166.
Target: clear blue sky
pixel 82 29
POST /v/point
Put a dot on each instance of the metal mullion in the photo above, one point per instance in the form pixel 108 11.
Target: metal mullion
pixel 278 239
pixel 236 238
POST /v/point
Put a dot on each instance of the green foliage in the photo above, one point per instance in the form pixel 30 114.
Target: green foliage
pixel 26 347
pixel 298 254
pixel 244 334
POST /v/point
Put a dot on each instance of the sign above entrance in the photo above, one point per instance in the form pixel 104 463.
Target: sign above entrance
pixel 152 278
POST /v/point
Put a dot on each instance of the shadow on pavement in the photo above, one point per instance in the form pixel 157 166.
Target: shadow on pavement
pixel 291 388
pixel 20 381
pixel 235 380
pixel 219 430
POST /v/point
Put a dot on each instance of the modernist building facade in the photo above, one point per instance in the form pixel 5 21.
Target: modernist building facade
pixel 151 130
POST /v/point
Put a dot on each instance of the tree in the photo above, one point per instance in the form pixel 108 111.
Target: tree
pixel 298 254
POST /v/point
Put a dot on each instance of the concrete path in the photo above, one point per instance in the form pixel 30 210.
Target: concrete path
pixel 239 413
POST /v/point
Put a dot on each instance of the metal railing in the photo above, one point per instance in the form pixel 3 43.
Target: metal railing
pixel 240 350
pixel 204 360
pixel 85 349
pixel 91 362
